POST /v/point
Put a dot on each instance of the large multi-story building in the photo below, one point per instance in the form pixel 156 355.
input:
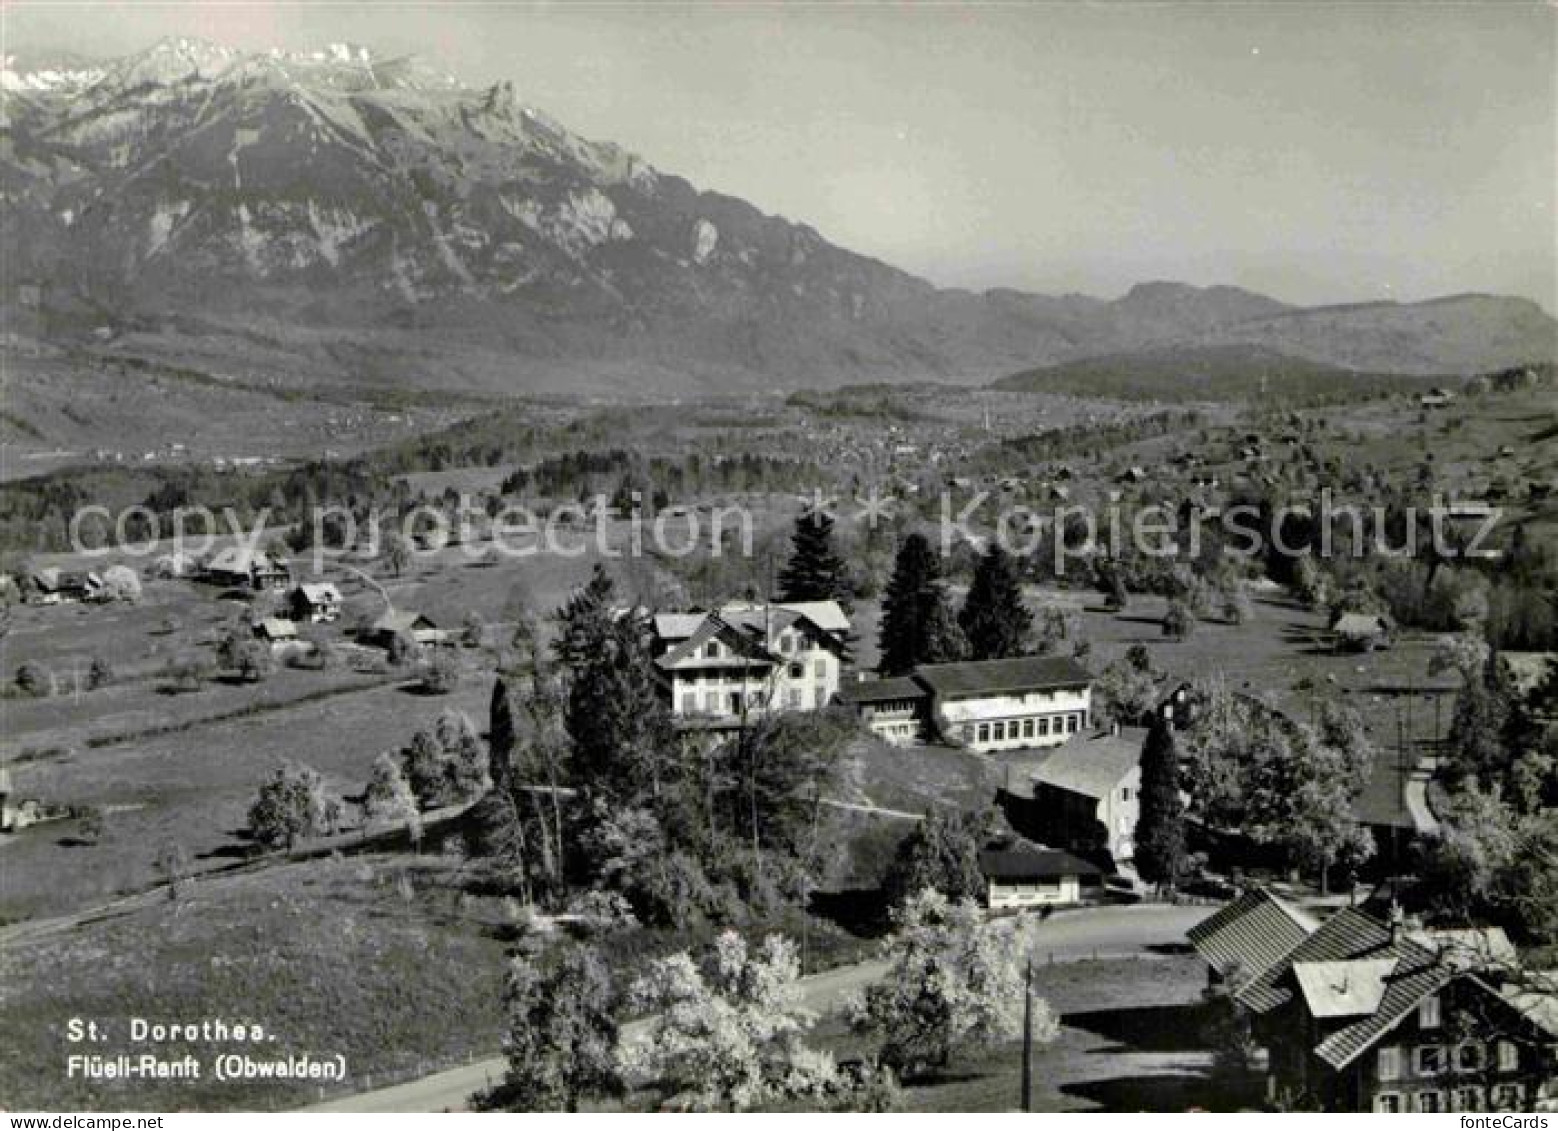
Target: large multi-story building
pixel 728 666
pixel 984 705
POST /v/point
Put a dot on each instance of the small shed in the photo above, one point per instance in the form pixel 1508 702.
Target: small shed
pixel 275 630
pixel 1019 873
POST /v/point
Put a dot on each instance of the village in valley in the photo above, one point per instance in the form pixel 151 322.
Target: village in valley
pixel 488 626
pixel 1255 832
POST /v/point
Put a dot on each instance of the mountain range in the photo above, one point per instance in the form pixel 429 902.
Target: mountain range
pixel 338 215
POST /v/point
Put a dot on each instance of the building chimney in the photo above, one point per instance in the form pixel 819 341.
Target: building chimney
pixel 1397 923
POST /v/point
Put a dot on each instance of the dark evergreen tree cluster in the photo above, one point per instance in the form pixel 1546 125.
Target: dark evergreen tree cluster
pixel 917 624
pixel 815 571
pixel 995 619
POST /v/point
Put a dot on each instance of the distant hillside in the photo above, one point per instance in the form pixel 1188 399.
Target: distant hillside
pixel 1212 373
pixel 333 216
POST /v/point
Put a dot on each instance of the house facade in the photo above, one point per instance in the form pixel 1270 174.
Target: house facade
pixel 985 706
pixel 723 668
pixel 1367 1016
pixel 315 602
pixel 1020 875
pixel 894 709
pixel 238 568
pixel 1084 797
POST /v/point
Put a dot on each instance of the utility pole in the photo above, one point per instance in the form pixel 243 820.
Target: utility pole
pixel 1027 1036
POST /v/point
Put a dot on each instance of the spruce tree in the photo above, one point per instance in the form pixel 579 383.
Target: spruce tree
pixel 618 723
pixel 815 572
pixel 1160 828
pixel 917 627
pixel 500 735
pixel 995 621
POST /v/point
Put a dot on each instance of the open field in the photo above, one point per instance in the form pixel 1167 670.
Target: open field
pixel 371 958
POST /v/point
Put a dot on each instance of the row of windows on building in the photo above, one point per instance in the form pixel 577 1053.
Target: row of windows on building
pixel 1500 1097
pixel 1431 1060
pixel 819 669
pixel 713 650
pixel 1011 730
pixel 732 702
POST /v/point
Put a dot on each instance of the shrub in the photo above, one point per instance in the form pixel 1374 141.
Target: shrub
pixel 100 674
pixel 1178 622
pixel 121 583
pixel 441 673
pixel 295 803
pixel 35 679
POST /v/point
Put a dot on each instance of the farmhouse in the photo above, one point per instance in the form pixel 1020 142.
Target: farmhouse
pixel 1020 874
pixel 239 568
pixel 276 631
pixel 54 586
pixel 1361 1015
pixel 1085 796
pixel 412 625
pixel 315 602
pixel 985 705
pixel 1250 935
pixel 724 667
pixel 1178 708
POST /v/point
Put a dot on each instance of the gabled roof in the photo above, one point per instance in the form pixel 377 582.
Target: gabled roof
pixel 826 616
pixel 1093 765
pixel 1344 989
pixel 1251 934
pixel 1022 860
pixel 995 677
pixel 401 621
pixel 1540 1009
pixel 1413 977
pixel 238 559
pixel 275 628
pixel 677 626
pixel 1469 948
pixel 1348 934
pixel 714 627
pixel 881 690
pixel 319 592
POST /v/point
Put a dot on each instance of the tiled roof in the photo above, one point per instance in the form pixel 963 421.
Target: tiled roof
pixel 1541 1009
pixel 994 677
pixel 401 621
pixel 881 690
pixel 828 616
pixel 1414 976
pixel 1024 861
pixel 1093 765
pixel 1251 934
pixel 713 627
pixel 1348 934
pixel 1344 989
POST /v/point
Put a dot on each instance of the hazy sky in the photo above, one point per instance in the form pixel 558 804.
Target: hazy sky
pixel 1313 151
